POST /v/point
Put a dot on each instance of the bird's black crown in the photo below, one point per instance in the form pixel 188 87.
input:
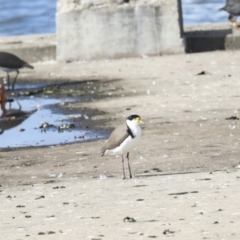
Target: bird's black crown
pixel 131 117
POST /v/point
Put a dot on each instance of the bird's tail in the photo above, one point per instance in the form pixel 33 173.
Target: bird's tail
pixel 27 65
pixel 223 8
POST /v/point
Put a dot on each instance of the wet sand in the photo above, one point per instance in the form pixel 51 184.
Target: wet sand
pixel 185 181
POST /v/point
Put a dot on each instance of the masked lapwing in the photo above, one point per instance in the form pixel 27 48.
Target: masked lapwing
pixel 10 63
pixel 124 139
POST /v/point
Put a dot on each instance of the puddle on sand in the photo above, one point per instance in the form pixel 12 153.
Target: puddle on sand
pixel 20 121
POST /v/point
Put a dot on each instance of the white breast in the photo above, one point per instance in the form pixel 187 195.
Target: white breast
pixel 8 69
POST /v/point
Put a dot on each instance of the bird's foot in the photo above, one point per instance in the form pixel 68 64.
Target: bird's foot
pixel 236 24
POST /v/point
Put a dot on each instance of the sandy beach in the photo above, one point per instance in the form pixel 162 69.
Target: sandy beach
pixel 185 178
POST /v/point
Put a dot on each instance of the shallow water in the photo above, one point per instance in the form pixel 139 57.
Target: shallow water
pixel 24 116
pixel 37 17
pixel 203 11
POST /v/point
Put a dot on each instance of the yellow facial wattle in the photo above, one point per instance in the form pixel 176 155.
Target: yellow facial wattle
pixel 138 120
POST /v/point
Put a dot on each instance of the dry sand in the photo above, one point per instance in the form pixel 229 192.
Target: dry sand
pixel 186 184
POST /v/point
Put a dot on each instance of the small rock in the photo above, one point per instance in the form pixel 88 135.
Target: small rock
pixel 202 73
pixel 40 197
pixel 157 170
pixel 129 219
pixel 45 125
pixel 167 231
pixel 66 126
pixel 232 118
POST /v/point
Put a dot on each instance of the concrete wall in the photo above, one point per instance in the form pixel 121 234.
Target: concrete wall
pixel 211 37
pixel 99 29
pixel 31 48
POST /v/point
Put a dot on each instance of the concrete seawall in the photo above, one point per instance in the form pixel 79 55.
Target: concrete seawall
pixel 115 29
pixel 31 48
pixel 211 37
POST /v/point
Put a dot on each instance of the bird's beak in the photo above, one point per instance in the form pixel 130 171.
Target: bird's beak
pixel 140 121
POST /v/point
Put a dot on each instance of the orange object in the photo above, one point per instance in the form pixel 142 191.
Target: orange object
pixel 2 93
pixel 3 99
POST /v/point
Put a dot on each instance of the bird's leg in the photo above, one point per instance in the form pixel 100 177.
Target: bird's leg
pixel 130 173
pixel 124 177
pixel 235 24
pixel 15 80
pixel 233 19
pixel 8 81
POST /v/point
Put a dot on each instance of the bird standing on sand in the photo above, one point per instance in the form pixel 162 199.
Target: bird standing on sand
pixel 233 8
pixel 123 139
pixel 10 63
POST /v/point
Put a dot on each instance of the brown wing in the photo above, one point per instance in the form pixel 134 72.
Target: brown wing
pixel 116 138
